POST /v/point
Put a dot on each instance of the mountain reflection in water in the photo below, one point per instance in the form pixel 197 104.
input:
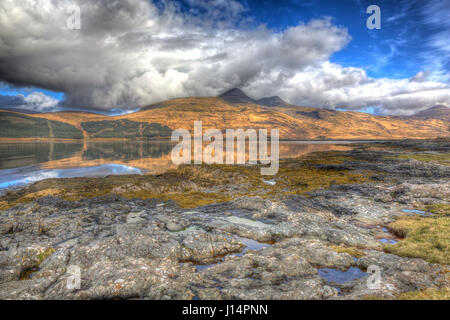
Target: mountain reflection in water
pixel 26 162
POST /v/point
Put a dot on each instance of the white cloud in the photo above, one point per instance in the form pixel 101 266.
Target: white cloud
pixel 131 53
pixel 38 101
pixel 35 101
pixel 421 76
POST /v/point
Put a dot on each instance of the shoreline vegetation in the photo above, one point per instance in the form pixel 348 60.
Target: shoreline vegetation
pixel 383 203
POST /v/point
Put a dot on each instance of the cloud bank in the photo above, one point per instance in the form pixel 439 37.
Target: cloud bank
pixel 132 53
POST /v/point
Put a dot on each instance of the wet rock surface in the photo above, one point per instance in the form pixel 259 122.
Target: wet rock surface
pixel 246 248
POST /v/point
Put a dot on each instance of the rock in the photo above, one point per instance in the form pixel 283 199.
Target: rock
pixel 173 227
pixel 246 248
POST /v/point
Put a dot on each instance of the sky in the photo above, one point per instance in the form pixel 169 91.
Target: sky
pixel 131 53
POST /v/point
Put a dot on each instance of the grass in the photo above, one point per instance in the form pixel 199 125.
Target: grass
pixel 442 209
pixel 426 238
pixel 427 294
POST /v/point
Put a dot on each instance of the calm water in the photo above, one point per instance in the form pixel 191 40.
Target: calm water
pixel 27 162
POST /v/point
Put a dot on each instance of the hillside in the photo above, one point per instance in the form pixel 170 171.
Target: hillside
pixel 436 112
pixel 17 125
pixel 125 128
pixel 234 109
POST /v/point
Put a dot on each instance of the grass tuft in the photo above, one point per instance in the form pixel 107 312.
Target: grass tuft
pixel 426 238
pixel 427 294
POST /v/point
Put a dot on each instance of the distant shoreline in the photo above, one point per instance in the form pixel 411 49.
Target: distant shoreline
pixel 27 140
pixel 18 140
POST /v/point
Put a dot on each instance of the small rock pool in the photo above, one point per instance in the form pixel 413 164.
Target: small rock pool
pixel 339 276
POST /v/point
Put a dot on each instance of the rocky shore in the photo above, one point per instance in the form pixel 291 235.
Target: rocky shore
pixel 218 232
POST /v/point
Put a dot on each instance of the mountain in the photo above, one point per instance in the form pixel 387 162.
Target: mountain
pixel 236 96
pixel 437 112
pixel 224 112
pixel 274 101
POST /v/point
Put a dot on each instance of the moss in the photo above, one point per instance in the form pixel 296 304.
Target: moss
pixel 45 254
pixel 184 200
pixel 442 158
pixel 354 252
pixel 427 294
pixel 426 238
pixel 26 274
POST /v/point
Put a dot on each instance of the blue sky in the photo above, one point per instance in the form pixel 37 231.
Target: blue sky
pixel 8 90
pixel 412 42
pixel 395 51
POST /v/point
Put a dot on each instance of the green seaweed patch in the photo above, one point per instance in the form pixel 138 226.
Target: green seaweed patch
pixel 353 251
pixel 442 158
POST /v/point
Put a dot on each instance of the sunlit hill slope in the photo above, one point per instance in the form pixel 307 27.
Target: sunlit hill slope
pixel 235 110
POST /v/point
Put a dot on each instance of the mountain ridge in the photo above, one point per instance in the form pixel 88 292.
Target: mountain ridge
pixel 274 101
pixel 436 112
pixel 293 122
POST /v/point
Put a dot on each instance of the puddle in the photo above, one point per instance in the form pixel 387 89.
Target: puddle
pixel 17 177
pixel 388 241
pixel 201 267
pixel 249 244
pixel 419 212
pixel 270 182
pixel 391 239
pixel 338 276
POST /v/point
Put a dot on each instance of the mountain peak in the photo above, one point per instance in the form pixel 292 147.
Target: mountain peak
pixel 236 95
pixel 274 101
pixel 437 112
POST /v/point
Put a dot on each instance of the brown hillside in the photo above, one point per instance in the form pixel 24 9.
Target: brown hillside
pixel 293 122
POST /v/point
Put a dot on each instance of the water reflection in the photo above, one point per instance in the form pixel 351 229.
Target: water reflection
pixel 24 175
pixel 26 162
